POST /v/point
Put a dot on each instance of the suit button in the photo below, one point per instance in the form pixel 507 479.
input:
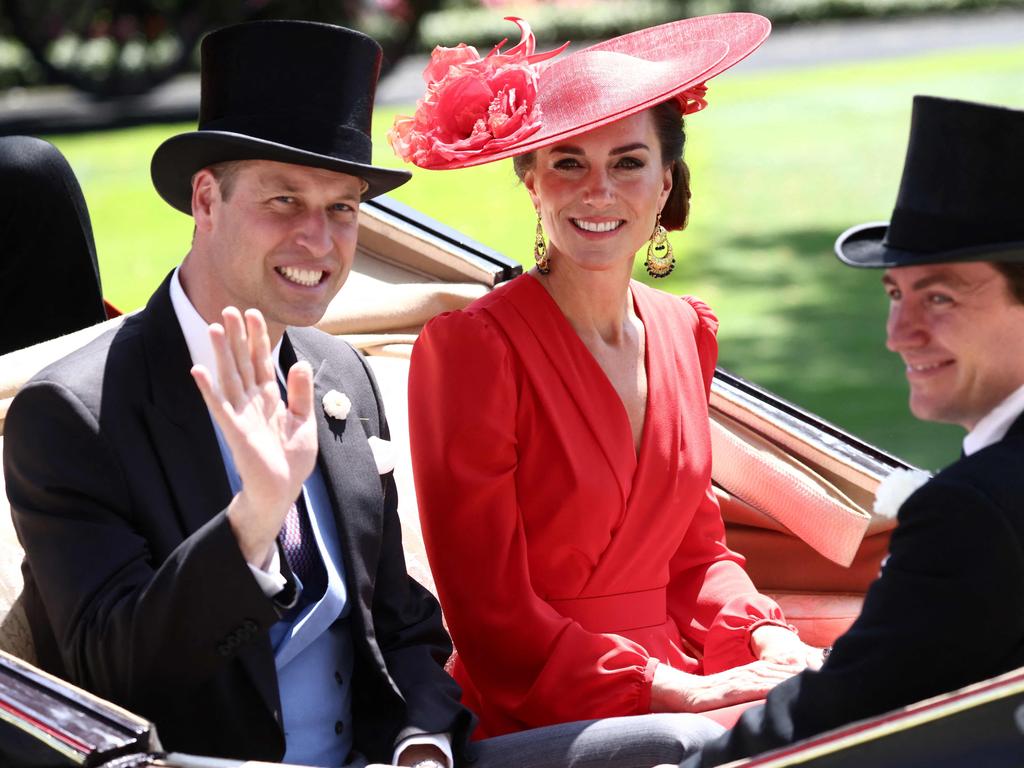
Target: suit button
pixel 338 678
pixel 339 727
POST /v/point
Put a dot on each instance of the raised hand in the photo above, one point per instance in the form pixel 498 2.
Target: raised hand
pixel 273 446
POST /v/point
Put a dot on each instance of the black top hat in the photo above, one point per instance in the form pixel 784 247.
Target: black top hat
pixel 292 91
pixel 962 193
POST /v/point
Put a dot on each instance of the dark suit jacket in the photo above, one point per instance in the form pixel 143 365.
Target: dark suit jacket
pixel 134 584
pixel 946 611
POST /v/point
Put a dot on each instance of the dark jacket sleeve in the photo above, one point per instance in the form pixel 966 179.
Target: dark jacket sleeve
pixel 129 625
pixel 946 611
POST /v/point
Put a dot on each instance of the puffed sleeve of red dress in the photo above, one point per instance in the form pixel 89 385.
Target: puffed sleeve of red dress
pixel 567 564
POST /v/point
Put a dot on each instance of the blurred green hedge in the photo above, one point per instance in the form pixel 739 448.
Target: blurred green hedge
pixel 481 24
pixel 465 21
pixel 16 65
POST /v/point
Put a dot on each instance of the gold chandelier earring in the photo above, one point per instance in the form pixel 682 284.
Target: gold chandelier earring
pixel 540 250
pixel 660 261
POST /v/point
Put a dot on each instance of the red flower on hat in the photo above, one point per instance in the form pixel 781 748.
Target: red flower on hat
pixel 693 99
pixel 472 103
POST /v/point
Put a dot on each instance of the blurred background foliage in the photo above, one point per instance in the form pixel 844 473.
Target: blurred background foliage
pixel 116 47
pixel 479 23
pixel 126 47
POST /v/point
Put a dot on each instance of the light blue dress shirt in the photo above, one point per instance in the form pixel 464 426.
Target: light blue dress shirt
pixel 313 650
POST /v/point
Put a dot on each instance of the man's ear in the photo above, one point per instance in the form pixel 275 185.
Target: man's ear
pixel 205 196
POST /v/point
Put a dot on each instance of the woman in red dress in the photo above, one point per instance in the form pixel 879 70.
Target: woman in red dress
pixel 559 425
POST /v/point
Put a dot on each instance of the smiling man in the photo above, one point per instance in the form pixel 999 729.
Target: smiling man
pixel 208 539
pixel 948 607
pixel 232 569
pixel 960 330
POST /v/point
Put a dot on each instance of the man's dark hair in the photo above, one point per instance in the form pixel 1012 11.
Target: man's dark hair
pixel 668 125
pixel 225 173
pixel 1013 271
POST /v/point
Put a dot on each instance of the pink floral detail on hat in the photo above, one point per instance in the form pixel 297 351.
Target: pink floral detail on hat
pixel 473 103
pixel 693 99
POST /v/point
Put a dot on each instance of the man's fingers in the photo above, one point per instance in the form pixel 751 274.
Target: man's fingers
pixel 227 373
pixel 259 346
pixel 238 343
pixel 300 390
pixel 204 381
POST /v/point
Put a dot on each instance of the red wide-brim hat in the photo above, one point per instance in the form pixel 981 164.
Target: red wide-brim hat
pixel 478 110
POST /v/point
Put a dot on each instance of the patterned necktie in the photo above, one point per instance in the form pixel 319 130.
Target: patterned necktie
pixel 299 544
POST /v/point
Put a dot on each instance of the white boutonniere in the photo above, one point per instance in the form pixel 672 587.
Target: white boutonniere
pixel 896 489
pixel 383 454
pixel 337 405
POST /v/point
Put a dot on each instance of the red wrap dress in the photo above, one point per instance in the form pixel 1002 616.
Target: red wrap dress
pixel 567 564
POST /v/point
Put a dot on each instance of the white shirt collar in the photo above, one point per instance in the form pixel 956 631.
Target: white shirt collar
pixel 992 427
pixel 197 334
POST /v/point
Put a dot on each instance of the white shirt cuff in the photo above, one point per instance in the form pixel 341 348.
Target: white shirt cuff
pixel 440 740
pixel 270 579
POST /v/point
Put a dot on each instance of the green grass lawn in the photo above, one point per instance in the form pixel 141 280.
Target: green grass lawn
pixel 782 162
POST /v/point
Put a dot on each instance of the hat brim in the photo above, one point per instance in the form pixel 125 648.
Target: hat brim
pixel 178 159
pixel 864 246
pixel 627 75
pixel 742 32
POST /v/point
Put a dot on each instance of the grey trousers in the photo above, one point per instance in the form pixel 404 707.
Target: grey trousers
pixel 640 741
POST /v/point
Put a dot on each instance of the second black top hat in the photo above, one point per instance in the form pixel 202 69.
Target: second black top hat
pixel 962 191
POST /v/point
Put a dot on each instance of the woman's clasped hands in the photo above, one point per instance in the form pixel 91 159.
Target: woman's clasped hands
pixel 780 655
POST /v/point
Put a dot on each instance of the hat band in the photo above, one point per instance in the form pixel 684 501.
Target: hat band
pixel 318 137
pixel 912 230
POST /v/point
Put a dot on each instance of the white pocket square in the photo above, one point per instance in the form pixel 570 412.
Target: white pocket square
pixel 383 454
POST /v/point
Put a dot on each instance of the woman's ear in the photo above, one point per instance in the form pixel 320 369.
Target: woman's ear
pixel 666 188
pixel 530 182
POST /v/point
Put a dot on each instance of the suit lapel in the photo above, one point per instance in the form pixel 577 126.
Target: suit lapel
pixel 178 420
pixel 347 464
pixel 1017 427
